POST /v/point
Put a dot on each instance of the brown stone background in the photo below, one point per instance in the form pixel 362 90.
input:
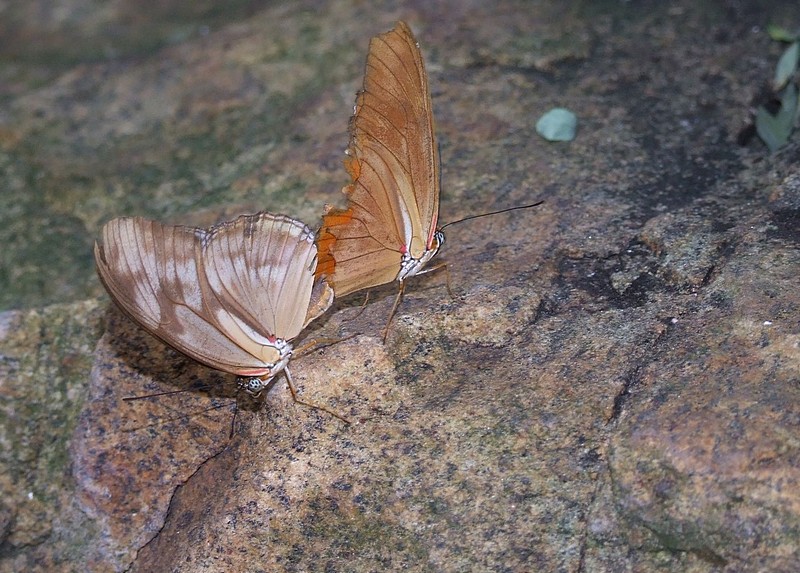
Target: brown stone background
pixel 615 386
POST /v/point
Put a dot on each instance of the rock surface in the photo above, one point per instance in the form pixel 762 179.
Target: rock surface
pixel 615 385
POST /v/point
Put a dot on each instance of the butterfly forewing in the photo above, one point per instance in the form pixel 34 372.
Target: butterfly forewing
pixel 393 161
pixel 396 117
pixel 222 296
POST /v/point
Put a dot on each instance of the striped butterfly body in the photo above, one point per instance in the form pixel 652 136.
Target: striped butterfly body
pixel 232 297
pixel 388 230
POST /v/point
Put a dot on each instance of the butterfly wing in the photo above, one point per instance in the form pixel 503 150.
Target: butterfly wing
pixel 261 271
pixel 178 284
pixel 321 300
pixel 393 200
pixel 150 270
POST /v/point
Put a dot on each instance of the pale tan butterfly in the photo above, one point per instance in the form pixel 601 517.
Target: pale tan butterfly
pixel 232 297
pixel 388 230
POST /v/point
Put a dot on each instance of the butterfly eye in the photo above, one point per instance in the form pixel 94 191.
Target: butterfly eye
pixel 252 385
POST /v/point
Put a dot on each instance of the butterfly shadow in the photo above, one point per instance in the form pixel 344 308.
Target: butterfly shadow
pixel 374 310
pixel 184 388
pixel 128 456
pixel 154 384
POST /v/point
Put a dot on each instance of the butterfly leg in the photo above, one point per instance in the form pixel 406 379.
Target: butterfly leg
pixel 442 265
pixel 449 282
pixel 363 306
pixel 309 404
pixel 319 343
pixel 394 310
pixel 233 420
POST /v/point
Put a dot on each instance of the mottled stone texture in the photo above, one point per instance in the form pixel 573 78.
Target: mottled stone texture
pixel 614 386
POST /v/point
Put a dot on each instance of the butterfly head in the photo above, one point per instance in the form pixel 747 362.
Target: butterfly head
pixel 410 266
pixel 438 240
pixel 255 385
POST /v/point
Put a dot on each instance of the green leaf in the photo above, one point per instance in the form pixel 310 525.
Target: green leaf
pixel 770 130
pixel 782 34
pixel 787 66
pixel 558 124
pixel 789 100
pixel 774 130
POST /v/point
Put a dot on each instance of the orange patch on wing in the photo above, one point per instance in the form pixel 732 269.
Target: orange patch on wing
pixel 353 167
pixel 326 264
pixel 393 163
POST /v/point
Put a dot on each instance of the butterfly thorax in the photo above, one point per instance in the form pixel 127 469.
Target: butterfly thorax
pixel 254 385
pixel 410 266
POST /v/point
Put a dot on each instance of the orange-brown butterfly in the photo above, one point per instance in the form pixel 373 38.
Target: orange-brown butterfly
pixel 388 230
pixel 231 297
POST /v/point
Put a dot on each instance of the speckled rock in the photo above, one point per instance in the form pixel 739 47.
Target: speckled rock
pixel 612 386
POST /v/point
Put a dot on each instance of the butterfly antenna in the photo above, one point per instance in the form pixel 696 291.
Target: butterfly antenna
pixel 235 415
pixel 179 417
pixel 156 395
pixel 360 310
pixel 194 388
pixel 492 213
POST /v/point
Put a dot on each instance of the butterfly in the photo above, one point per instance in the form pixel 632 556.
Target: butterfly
pixel 232 297
pixel 388 230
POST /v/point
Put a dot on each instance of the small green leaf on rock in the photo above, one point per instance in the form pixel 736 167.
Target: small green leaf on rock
pixel 787 66
pixel 782 34
pixel 775 129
